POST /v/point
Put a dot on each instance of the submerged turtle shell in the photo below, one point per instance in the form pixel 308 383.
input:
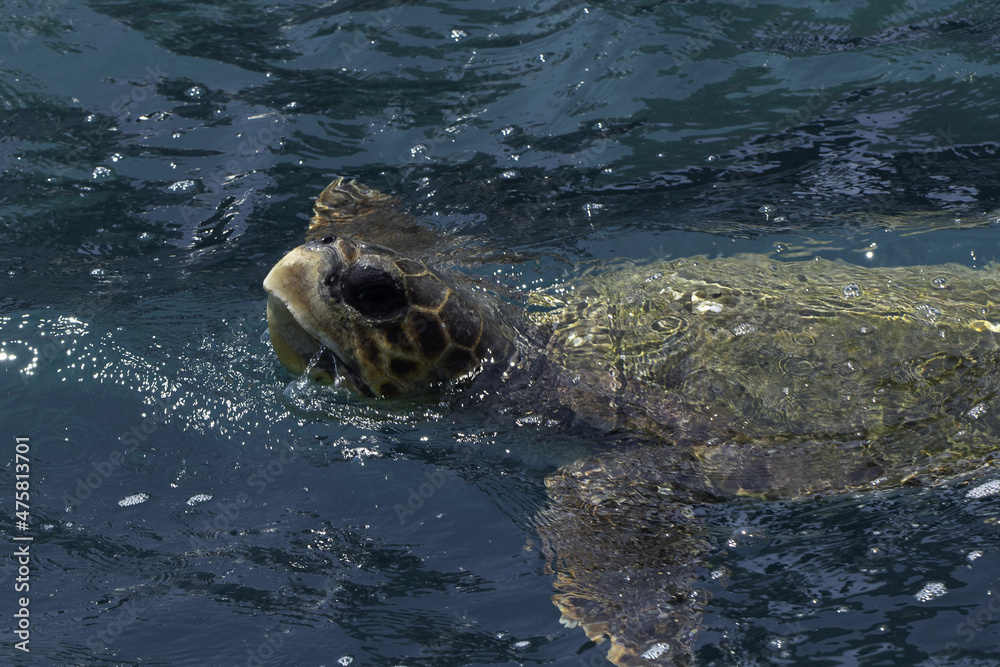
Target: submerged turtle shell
pixel 738 376
pixel 749 377
pixel 746 349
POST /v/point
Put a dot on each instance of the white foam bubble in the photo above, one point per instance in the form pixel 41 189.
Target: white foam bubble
pixel 198 498
pixel 134 499
pixel 930 591
pixel 986 490
pixel 655 651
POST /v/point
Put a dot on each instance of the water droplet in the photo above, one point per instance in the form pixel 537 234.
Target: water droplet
pixel 939 283
pixel 851 290
pixel 977 411
pixel 194 92
pixel 510 174
pixel 865 329
pixel 767 209
pixel 458 34
pixel 745 537
pixel 925 311
pixel 101 172
pixel 712 158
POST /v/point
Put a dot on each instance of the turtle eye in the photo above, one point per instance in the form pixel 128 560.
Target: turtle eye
pixel 373 292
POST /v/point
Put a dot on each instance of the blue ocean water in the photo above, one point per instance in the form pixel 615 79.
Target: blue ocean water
pixel 191 504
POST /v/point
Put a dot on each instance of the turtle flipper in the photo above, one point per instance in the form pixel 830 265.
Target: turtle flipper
pixel 624 543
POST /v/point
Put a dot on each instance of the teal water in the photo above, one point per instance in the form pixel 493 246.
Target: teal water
pixel 192 505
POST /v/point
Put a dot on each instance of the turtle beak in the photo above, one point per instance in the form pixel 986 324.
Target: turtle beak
pixel 294 340
pixel 293 344
pixel 294 312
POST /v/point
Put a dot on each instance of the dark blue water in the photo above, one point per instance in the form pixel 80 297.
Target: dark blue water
pixel 191 505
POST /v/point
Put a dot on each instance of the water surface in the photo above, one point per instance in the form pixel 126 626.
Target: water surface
pixel 192 505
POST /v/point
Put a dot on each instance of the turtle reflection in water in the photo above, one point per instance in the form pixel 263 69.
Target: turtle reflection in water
pixel 723 377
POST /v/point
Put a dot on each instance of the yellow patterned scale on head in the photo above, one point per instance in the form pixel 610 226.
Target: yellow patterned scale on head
pixel 386 324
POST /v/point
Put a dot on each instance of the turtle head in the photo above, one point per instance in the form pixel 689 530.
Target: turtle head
pixel 386 324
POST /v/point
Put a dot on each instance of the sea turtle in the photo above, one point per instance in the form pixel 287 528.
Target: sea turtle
pixel 715 378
